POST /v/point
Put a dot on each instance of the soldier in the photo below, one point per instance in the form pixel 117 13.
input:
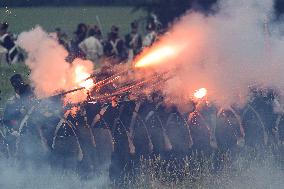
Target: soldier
pixel 155 124
pixel 33 147
pixel 120 160
pixel 66 148
pixel 85 141
pixel 254 129
pixel 17 111
pixel 259 119
pixel 102 136
pixel 6 40
pixel 269 116
pixel 178 133
pixel 151 35
pixel 92 47
pixel 62 38
pixel 229 131
pixel 79 35
pixel 4 150
pixel 98 34
pixel 280 127
pixel 114 47
pixel 133 41
pixel 138 129
pixel 200 132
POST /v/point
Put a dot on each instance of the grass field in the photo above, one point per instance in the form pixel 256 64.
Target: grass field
pixel 250 170
pixel 67 18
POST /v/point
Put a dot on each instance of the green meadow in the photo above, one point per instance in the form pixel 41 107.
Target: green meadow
pixel 67 18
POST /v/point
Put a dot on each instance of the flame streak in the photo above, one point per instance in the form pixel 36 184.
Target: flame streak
pixel 156 56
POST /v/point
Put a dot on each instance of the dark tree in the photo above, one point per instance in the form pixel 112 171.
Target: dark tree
pixel 168 10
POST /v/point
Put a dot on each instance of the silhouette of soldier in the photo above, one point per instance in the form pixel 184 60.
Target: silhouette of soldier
pixel 18 111
pixel 133 41
pixel 6 40
pixel 92 47
pixel 114 47
pixel 79 35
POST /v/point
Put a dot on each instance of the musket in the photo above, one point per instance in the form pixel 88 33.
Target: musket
pixel 63 93
pixel 35 106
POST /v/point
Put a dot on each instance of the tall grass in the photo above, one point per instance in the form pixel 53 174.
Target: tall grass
pixel 247 170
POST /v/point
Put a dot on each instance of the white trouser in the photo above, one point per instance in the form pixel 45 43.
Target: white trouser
pixel 3 53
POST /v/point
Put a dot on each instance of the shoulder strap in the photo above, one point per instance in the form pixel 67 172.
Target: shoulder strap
pixel 2 38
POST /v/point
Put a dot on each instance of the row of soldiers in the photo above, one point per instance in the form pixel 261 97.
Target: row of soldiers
pixel 9 52
pixel 88 42
pixel 112 136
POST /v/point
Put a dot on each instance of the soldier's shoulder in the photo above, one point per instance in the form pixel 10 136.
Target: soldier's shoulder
pixel 11 100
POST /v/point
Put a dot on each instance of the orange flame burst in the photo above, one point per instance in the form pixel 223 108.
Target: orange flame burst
pixel 156 56
pixel 170 48
pixel 80 75
pixel 200 93
pixel 77 79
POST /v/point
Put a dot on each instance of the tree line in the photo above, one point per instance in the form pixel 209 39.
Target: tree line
pixel 166 10
pixel 23 3
pixel 177 3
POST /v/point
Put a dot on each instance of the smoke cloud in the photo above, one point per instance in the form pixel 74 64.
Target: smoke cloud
pixel 50 73
pixel 226 53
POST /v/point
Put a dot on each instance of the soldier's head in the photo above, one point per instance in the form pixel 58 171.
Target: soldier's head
pixel 17 82
pixel 92 32
pixel 98 32
pixel 58 30
pixel 114 31
pixel 157 96
pixel 151 26
pixel 134 27
pixel 4 28
pixel 81 28
pixel 270 95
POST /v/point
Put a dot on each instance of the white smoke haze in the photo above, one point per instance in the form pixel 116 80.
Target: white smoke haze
pixel 13 177
pixel 50 73
pixel 226 52
pixel 246 174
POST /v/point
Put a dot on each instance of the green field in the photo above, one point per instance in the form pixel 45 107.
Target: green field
pixel 67 18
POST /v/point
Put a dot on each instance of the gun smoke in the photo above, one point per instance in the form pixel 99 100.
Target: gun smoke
pixel 50 72
pixel 225 53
